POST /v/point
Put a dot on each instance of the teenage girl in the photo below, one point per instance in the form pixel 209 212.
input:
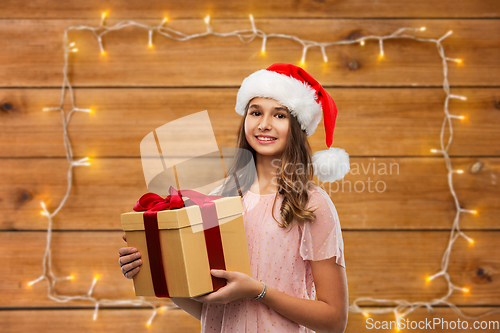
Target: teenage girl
pixel 294 239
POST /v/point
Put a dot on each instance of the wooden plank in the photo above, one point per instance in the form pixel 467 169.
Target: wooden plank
pixel 80 320
pixel 379 193
pixel 77 321
pixel 371 122
pixel 217 61
pixel 178 321
pixel 381 264
pixel 241 9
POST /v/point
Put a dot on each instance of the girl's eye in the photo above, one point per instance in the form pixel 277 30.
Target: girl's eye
pixel 257 113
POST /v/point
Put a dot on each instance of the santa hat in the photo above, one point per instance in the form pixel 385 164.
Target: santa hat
pixel 306 99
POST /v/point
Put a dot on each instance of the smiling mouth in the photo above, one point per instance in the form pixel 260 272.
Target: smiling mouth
pixel 265 138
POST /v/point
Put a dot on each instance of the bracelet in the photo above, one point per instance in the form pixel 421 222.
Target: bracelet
pixel 262 294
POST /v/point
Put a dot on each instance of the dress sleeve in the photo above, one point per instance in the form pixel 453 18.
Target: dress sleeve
pixel 322 238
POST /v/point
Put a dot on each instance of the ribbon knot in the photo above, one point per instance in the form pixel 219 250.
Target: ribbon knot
pixel 154 203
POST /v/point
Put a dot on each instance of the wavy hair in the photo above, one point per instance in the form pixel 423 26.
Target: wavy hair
pixel 293 178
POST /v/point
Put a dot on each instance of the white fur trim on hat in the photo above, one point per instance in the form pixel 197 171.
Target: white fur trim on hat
pixel 298 97
pixel 331 165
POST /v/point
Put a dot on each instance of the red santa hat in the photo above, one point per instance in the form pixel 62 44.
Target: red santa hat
pixel 306 99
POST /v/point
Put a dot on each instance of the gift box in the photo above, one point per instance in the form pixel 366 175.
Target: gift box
pixel 207 233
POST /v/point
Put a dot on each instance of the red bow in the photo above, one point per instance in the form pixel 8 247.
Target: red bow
pixel 153 202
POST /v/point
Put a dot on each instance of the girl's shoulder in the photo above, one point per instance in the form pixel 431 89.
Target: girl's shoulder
pixel 313 188
pixel 318 195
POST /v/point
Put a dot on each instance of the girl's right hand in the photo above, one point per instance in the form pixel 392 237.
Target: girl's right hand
pixel 129 260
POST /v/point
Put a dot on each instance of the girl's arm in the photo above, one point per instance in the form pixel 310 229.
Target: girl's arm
pixel 189 305
pixel 327 314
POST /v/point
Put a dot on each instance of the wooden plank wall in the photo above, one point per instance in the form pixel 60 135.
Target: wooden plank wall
pixel 390 111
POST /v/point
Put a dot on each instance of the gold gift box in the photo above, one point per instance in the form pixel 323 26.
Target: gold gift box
pixel 183 247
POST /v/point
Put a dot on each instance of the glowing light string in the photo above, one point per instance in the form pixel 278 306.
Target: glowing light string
pixel 403 307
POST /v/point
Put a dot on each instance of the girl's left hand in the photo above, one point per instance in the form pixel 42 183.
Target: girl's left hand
pixel 239 285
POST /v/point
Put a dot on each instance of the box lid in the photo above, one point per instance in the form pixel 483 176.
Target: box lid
pixel 183 217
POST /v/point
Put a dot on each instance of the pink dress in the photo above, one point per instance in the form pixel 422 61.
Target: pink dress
pixel 280 258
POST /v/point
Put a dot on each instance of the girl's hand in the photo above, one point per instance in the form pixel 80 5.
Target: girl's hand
pixel 239 285
pixel 129 260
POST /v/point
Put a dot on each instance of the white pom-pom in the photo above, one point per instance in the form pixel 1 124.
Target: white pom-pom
pixel 331 165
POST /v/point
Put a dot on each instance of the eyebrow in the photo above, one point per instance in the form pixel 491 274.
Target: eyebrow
pixel 279 108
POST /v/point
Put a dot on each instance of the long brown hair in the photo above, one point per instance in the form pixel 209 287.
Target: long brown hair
pixel 293 180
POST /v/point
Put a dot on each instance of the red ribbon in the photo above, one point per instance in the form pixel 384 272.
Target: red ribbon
pixel 152 203
pixel 213 240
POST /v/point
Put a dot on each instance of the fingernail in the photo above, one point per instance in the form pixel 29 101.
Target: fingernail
pixel 214 272
pixel 134 250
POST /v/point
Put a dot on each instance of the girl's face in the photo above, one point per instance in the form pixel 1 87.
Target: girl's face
pixel 274 122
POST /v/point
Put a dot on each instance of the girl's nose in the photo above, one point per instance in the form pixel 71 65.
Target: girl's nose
pixel 265 123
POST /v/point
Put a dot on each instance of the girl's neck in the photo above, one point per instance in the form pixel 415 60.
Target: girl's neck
pixel 267 169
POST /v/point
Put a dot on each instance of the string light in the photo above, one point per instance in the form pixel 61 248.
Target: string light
pixel 150 39
pixel 51 109
pixel 263 49
pixel 209 27
pixel 47 273
pixel 246 36
pixel 99 39
pixel 469 211
pixel 381 45
pixel 254 29
pixel 103 17
pixel 463 98
pixel 396 315
pixel 470 240
pixel 325 58
pixel 303 59
pixel 458 61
